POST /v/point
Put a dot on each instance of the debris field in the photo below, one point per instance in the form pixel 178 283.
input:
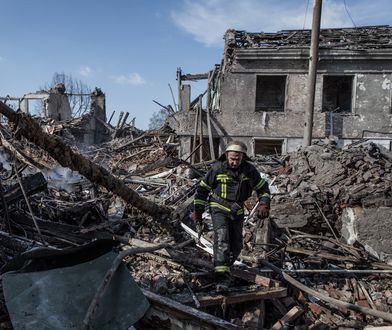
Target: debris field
pixel 322 260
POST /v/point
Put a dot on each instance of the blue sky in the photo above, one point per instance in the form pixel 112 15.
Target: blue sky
pixel 131 48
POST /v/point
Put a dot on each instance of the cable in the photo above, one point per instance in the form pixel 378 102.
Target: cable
pixel 348 13
pixel 306 13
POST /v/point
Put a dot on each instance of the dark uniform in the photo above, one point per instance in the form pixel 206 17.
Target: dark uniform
pixel 225 190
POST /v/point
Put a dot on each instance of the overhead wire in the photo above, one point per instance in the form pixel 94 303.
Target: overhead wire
pixel 348 13
pixel 306 13
pixel 345 7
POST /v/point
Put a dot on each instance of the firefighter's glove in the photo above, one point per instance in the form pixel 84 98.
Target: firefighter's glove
pixel 197 217
pixel 263 210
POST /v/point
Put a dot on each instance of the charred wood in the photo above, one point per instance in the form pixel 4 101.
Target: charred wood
pixel 32 184
pixel 30 129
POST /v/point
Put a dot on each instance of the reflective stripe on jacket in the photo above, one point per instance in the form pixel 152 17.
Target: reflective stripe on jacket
pixel 230 185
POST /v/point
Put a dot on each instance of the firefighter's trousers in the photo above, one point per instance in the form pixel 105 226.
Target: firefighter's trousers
pixel 227 237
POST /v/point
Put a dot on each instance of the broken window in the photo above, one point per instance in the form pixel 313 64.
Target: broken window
pixel 268 147
pixel 337 93
pixel 270 93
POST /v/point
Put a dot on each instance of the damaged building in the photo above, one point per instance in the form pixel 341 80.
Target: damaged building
pixel 54 105
pixel 124 228
pixel 258 93
pixel 96 230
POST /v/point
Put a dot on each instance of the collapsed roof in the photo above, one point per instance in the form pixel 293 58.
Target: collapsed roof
pixel 312 190
pixel 365 37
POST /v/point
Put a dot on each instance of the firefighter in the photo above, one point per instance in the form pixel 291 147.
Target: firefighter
pixel 226 186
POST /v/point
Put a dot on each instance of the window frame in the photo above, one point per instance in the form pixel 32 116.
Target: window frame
pixel 284 85
pixel 352 77
pixel 282 141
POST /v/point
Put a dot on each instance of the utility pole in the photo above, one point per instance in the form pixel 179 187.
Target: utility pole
pixel 313 59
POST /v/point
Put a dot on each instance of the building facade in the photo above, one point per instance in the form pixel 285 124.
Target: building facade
pixel 258 94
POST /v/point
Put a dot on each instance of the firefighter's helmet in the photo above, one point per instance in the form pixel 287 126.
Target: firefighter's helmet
pixel 236 146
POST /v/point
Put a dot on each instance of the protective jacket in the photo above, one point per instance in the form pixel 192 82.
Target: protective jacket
pixel 227 189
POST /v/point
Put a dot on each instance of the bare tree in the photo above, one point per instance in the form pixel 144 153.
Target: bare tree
pixel 78 92
pixel 158 118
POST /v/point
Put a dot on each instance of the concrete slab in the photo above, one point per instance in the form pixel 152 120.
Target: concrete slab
pixel 372 228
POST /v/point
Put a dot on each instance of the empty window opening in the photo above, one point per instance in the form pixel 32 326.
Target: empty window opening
pixel 268 147
pixel 205 150
pixel 270 93
pixel 337 93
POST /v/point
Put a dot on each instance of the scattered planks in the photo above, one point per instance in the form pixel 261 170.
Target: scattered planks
pixel 291 316
pixel 325 255
pixel 166 313
pixel 235 296
pixel 26 126
pixel 32 184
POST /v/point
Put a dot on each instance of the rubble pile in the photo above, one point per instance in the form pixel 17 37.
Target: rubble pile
pixel 298 249
pixel 363 37
pixel 334 179
pixel 314 188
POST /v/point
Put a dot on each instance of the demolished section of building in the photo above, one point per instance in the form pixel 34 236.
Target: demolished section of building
pixel 258 92
pixel 54 107
pixel 83 214
pixel 295 270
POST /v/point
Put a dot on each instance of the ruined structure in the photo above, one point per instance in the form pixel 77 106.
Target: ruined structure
pixel 55 103
pixel 91 127
pixel 131 209
pixel 322 260
pixel 258 92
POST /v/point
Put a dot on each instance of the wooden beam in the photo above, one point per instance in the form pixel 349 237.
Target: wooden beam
pixel 262 238
pixel 200 107
pixel 249 276
pixel 235 296
pixel 195 136
pixel 321 254
pixel 323 297
pixel 200 76
pixel 291 315
pixel 32 184
pixel 55 231
pixel 246 274
pixel 279 306
pixel 208 110
pixel 182 313
pixel 130 142
pixel 28 127
pixel 262 235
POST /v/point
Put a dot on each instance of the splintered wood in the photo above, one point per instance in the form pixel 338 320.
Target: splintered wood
pixel 134 190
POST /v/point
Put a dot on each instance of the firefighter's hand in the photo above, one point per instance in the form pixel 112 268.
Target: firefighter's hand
pixel 263 210
pixel 197 217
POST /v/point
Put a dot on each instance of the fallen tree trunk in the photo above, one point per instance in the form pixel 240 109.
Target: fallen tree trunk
pixel 26 126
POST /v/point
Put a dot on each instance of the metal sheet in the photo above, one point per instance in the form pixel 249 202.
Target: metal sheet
pixel 59 298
